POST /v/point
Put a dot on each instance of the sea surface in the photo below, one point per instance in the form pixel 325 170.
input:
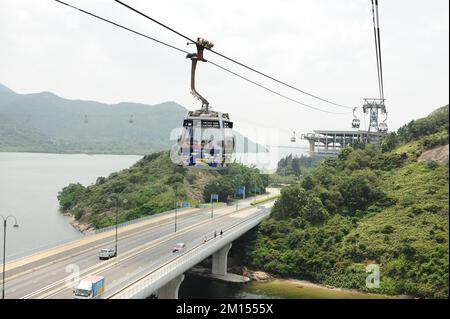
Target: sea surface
pixel 29 185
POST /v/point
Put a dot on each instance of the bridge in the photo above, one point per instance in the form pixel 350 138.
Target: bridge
pixel 145 264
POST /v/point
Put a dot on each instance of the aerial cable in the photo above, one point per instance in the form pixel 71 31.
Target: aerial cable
pixel 123 27
pixel 230 59
pixel 281 82
pixel 379 49
pixel 186 52
pixel 376 48
pixel 272 91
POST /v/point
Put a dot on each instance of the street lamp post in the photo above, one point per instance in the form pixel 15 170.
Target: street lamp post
pixel 5 219
pixel 117 224
pixel 237 198
pixel 116 199
pixel 176 208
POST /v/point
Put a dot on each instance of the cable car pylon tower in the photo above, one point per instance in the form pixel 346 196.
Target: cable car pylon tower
pixel 375 107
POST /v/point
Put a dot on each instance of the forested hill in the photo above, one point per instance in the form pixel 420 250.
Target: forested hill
pixel 149 187
pixel 386 204
pixel 44 122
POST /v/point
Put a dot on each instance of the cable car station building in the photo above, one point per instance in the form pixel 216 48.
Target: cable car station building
pixel 325 141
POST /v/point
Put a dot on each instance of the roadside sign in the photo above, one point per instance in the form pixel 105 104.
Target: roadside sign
pixel 240 190
pixel 184 204
pixel 215 197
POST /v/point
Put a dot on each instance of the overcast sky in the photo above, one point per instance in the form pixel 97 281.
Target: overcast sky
pixel 321 46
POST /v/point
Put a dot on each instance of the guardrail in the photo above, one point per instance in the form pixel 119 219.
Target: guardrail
pixel 149 280
pixel 138 220
pixel 40 249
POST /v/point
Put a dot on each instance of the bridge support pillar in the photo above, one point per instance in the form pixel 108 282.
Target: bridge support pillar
pixel 170 290
pixel 220 261
pixel 312 144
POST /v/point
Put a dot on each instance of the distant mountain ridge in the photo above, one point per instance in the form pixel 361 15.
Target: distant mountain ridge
pixel 45 122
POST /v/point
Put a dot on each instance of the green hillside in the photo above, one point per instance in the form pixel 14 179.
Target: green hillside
pixel 44 122
pixel 149 188
pixel 372 205
pixel 74 126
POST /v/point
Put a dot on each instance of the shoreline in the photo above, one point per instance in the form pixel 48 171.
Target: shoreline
pixel 264 277
pixel 307 284
pixel 83 228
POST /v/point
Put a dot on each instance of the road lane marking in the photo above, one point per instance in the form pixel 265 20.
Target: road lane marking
pixel 132 253
pixel 198 246
pixel 86 250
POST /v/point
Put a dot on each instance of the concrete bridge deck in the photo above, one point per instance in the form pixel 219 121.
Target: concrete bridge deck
pixel 145 261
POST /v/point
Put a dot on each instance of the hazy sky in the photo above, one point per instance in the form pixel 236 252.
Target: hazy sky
pixel 322 46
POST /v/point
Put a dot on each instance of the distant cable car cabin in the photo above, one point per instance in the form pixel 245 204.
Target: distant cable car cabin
pixel 207 139
pixel 356 123
pixel 293 139
pixel 383 128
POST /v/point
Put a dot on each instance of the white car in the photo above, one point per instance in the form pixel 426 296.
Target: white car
pixel 107 253
pixel 179 247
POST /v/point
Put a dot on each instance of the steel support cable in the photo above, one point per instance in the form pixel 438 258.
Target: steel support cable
pixel 272 91
pixel 376 47
pixel 122 27
pixel 379 49
pixel 186 52
pixel 230 59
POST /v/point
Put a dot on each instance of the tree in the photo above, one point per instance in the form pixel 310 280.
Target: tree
pixel 389 142
pixel 224 186
pixel 70 195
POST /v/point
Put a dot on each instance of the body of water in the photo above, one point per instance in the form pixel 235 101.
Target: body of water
pixel 29 184
pixel 198 287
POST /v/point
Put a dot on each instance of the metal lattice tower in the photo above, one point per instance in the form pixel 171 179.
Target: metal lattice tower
pixel 375 108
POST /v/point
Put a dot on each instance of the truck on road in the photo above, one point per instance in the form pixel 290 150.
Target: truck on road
pixel 90 287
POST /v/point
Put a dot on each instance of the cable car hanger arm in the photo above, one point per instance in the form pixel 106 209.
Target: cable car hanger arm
pixel 201 44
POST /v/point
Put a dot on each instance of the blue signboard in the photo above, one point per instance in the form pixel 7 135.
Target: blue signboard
pixel 215 197
pixel 184 204
pixel 240 190
pixel 256 190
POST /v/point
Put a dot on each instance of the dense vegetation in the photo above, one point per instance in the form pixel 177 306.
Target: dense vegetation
pixel 375 204
pixel 434 127
pixel 291 168
pixel 149 187
pixel 295 165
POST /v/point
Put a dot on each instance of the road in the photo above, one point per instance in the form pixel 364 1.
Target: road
pixel 141 247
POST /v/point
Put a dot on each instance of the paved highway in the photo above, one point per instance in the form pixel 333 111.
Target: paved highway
pixel 141 247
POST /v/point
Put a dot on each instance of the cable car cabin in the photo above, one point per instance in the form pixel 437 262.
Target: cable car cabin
pixel 356 123
pixel 293 139
pixel 207 140
pixel 383 128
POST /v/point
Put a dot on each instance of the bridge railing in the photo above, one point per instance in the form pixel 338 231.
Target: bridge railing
pixel 56 244
pixel 138 220
pixel 157 277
